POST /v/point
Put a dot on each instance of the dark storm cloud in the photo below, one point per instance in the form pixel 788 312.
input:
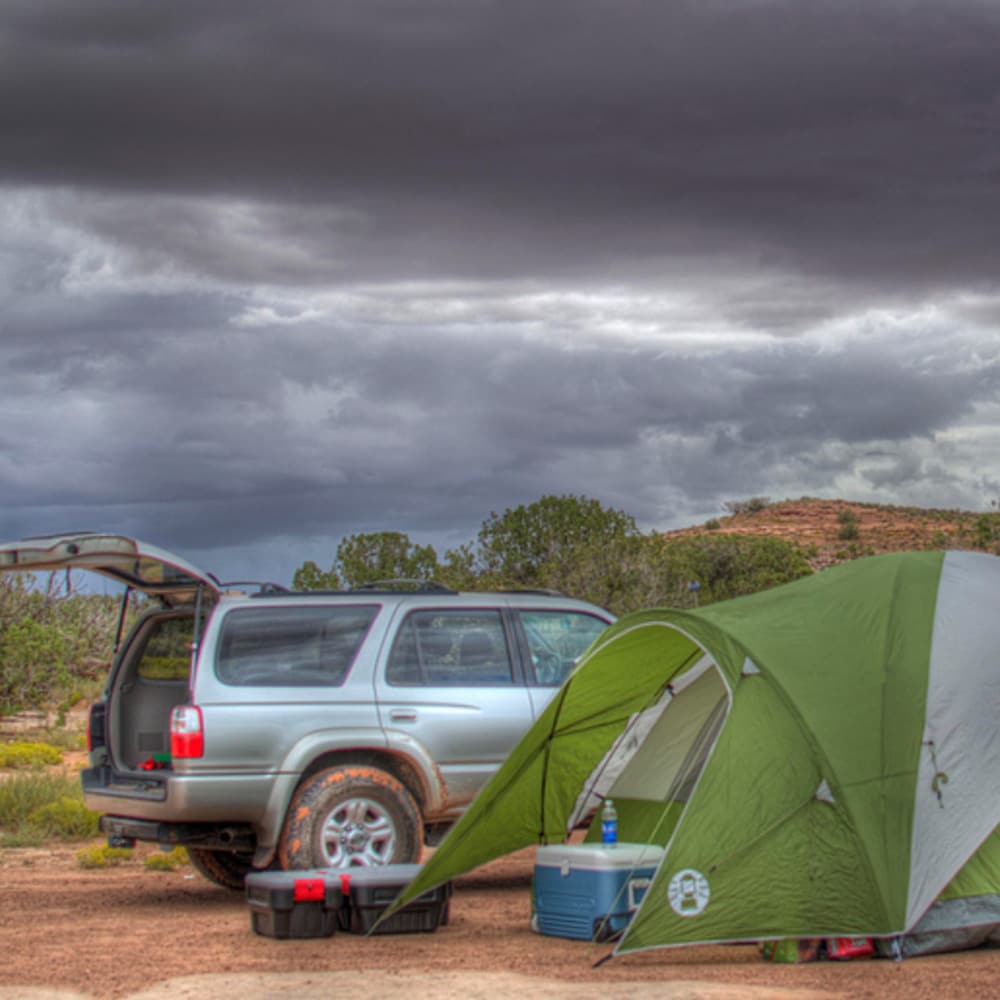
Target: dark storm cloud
pixel 207 439
pixel 271 275
pixel 831 138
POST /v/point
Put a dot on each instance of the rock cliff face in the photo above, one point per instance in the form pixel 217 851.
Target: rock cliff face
pixel 831 531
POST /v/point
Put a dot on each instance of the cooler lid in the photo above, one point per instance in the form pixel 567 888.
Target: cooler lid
pixel 599 857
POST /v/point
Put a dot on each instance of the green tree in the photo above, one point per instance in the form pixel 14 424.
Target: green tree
pixel 725 566
pixel 384 555
pixel 32 666
pixel 366 558
pixel 458 570
pixel 536 545
pixel 54 644
pixel 310 577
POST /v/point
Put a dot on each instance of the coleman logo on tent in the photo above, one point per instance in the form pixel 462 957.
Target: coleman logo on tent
pixel 688 893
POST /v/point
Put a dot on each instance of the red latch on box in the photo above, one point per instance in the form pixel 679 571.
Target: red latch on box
pixel 309 890
pixel 843 948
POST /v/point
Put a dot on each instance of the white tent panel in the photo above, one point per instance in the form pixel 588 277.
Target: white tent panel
pixel 599 785
pixel 957 799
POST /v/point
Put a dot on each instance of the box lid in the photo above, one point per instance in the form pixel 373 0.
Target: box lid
pixel 599 857
pixel 381 875
pixel 272 880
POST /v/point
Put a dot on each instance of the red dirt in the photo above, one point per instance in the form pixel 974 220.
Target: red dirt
pixel 112 932
pixel 816 525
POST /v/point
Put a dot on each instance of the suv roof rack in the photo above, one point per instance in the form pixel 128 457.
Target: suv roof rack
pixel 404 584
pixel 262 586
pixel 541 591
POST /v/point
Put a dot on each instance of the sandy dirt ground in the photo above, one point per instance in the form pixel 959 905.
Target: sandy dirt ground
pixel 130 932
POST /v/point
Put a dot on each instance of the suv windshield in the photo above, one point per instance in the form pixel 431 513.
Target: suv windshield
pixel 291 646
pixel 556 640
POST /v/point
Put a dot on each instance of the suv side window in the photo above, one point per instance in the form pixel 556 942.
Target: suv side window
pixel 556 640
pixel 463 648
pixel 291 647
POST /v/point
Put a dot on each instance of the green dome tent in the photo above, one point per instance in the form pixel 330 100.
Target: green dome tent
pixel 819 760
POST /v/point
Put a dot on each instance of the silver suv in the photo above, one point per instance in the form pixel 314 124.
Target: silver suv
pixel 306 730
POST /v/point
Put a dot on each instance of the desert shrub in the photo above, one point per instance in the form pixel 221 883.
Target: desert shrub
pixel 67 818
pixel 54 648
pixel 166 861
pixel 724 566
pixel 751 506
pixel 20 755
pixel 66 739
pixel 103 856
pixel 713 524
pixel 985 530
pixel 24 792
pixel 32 665
pixel 848 526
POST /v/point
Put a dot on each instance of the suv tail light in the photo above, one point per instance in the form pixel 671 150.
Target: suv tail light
pixel 187 733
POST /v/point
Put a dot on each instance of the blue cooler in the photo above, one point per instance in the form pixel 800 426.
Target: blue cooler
pixel 589 891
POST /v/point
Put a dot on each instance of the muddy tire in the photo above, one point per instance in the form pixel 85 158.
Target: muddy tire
pixel 346 817
pixel 225 868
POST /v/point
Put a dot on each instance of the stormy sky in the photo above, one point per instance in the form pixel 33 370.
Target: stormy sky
pixel 273 274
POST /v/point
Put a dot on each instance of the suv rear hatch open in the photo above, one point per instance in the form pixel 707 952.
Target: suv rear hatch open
pixel 138 566
pixel 152 673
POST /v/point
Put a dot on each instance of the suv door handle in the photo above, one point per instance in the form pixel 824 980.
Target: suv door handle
pixel 403 715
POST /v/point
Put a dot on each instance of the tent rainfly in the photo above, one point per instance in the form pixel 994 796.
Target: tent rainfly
pixel 819 760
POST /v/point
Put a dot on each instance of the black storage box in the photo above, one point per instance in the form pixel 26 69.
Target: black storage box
pixel 296 904
pixel 368 893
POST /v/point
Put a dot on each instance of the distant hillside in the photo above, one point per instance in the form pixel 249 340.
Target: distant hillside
pixel 831 531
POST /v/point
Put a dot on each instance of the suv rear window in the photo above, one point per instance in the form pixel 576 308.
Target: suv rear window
pixel 291 647
pixel 166 653
pixel 450 648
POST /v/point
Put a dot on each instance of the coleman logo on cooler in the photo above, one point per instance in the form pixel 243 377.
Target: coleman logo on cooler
pixel 688 893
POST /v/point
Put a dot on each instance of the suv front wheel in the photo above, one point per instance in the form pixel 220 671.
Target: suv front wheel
pixel 345 817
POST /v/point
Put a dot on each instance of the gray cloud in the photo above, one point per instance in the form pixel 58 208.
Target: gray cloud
pixel 828 139
pixel 271 277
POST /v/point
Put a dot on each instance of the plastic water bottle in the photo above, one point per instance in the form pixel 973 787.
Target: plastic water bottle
pixel 609 824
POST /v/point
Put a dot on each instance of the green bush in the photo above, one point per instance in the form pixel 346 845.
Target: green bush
pixel 32 665
pixel 752 506
pixel 19 754
pixel 166 861
pixel 848 526
pixel 66 739
pixel 724 566
pixel 103 856
pixel 986 530
pixel 23 793
pixel 68 819
pixel 54 648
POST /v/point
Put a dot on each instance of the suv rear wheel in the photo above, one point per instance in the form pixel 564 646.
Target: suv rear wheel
pixel 346 817
pixel 225 868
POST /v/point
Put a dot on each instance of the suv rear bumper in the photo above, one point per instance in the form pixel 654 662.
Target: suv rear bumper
pixel 231 837
pixel 176 800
